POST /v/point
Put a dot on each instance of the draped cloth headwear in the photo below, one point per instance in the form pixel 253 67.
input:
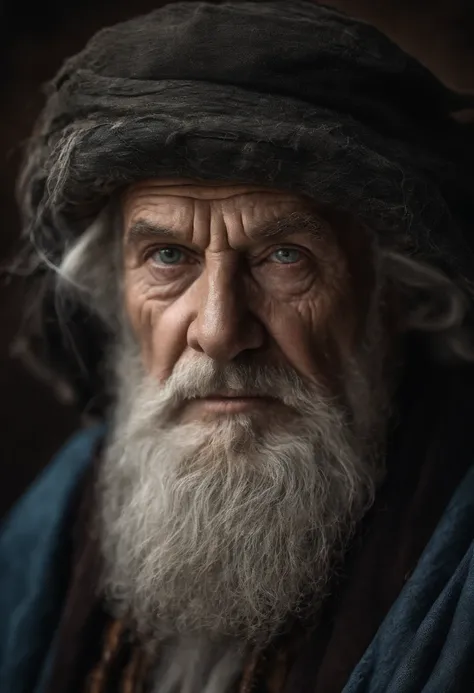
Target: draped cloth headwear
pixel 292 95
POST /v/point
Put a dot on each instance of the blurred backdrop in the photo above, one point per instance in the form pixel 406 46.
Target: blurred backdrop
pixel 33 44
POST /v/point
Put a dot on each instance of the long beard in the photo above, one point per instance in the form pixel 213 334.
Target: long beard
pixel 227 527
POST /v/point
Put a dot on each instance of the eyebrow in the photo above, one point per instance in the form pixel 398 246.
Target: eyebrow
pixel 296 222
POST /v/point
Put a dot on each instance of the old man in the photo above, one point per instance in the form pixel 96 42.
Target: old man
pixel 249 230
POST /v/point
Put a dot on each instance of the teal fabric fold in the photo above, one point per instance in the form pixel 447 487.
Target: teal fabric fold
pixel 426 642
pixel 34 548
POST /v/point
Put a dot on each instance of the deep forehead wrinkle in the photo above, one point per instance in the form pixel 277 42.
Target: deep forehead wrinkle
pixel 296 222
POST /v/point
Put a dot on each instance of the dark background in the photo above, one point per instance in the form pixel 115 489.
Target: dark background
pixel 33 44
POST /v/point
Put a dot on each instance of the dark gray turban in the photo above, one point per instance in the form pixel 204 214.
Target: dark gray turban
pixel 286 93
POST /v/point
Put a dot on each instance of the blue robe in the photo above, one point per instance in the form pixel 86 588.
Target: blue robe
pixel 424 645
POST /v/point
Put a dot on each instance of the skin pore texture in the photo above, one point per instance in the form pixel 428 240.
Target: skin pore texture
pixel 234 271
pixel 250 408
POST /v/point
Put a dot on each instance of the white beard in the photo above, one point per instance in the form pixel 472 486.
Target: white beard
pixel 225 527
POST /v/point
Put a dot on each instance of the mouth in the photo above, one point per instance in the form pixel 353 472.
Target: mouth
pixel 236 403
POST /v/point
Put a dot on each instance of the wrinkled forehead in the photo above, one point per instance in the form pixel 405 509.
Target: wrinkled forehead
pixel 180 204
pixel 182 188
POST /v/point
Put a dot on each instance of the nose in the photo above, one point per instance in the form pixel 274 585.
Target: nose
pixel 223 326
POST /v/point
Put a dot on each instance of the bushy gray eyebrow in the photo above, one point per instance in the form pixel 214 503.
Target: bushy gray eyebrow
pixel 297 222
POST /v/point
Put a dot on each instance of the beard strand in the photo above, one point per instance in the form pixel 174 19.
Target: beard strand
pixel 227 527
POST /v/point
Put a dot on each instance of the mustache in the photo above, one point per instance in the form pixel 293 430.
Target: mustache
pixel 145 400
pixel 202 377
pixel 205 378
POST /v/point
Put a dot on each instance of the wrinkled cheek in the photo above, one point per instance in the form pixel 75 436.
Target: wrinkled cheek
pixel 167 337
pixel 145 335
pixel 142 311
pixel 139 314
pixel 132 313
pixel 300 333
pixel 133 301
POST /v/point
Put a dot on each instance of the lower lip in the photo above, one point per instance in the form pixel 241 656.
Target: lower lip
pixel 232 405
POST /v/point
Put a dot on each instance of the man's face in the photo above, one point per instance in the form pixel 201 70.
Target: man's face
pixel 242 274
pixel 249 405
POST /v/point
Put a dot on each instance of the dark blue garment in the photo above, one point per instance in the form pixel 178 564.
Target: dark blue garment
pixel 34 552
pixel 424 645
pixel 426 642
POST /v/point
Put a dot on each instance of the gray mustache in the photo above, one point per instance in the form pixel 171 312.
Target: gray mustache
pixel 197 381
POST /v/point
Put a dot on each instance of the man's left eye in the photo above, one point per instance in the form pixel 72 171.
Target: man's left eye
pixel 286 256
pixel 167 256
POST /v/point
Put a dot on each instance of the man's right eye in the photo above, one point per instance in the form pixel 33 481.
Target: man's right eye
pixel 167 256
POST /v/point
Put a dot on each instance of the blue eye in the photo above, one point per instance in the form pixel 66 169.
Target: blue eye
pixel 287 256
pixel 167 256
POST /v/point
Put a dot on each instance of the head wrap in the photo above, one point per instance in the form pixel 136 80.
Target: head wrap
pixel 290 94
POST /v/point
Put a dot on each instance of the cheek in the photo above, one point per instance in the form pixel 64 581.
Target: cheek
pixel 349 325
pixel 135 297
pixel 168 336
pixel 298 328
pixel 158 324
pixel 314 334
pixel 141 315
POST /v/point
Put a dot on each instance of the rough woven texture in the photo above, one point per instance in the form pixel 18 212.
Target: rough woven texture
pixel 290 94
